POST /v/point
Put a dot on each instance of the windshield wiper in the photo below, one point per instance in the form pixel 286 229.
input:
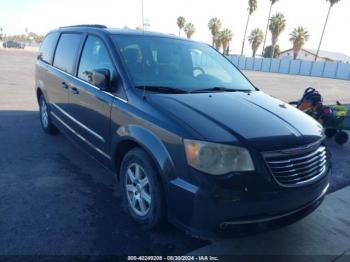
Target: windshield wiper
pixel 163 89
pixel 219 89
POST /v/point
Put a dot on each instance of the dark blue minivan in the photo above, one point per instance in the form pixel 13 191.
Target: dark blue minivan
pixel 189 137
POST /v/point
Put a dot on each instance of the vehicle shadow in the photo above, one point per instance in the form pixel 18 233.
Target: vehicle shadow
pixel 56 200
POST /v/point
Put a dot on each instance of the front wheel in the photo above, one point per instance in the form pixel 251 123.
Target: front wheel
pixel 45 118
pixel 142 191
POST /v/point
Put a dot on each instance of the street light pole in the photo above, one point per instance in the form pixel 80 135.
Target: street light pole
pixel 324 29
pixel 143 19
pixel 267 30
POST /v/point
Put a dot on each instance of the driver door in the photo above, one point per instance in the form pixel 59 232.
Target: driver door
pixel 89 106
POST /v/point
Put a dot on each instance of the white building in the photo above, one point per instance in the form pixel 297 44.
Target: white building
pixel 310 54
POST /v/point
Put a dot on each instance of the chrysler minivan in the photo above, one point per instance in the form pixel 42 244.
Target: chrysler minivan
pixel 191 140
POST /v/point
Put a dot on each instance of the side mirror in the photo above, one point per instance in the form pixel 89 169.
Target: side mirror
pixel 101 78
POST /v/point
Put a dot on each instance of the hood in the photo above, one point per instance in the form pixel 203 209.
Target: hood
pixel 264 122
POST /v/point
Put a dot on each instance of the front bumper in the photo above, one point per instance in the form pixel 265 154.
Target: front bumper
pixel 206 210
pixel 312 203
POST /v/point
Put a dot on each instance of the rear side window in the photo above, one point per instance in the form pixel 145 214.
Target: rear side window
pixel 66 52
pixel 94 56
pixel 48 48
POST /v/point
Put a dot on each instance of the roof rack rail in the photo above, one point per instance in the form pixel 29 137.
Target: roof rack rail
pixel 87 25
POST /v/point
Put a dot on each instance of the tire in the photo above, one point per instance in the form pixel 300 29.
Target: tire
pixel 45 117
pixel 341 137
pixel 330 132
pixel 142 190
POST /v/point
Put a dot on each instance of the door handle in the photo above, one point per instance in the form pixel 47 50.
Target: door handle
pixel 74 90
pixel 65 85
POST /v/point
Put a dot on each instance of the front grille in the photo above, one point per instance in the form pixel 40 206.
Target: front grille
pixel 298 166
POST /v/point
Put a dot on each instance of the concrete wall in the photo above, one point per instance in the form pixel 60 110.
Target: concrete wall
pixel 293 67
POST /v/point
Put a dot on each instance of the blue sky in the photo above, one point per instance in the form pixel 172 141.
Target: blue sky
pixel 41 16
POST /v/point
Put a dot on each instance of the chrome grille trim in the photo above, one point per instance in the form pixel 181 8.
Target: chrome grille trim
pixel 320 149
pixel 311 177
pixel 308 167
pixel 299 166
pixel 323 156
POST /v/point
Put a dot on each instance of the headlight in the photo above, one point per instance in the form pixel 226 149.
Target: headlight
pixel 217 159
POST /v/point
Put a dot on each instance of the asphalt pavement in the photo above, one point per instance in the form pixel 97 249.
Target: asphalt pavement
pixel 322 236
pixel 56 200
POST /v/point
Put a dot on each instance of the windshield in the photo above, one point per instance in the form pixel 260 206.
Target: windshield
pixel 175 63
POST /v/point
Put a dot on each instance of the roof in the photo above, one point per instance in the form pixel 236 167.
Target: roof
pixel 328 54
pixel 118 31
pixel 139 32
pixel 334 56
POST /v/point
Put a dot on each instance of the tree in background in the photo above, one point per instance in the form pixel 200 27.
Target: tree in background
pixel 298 37
pixel 255 39
pixel 331 4
pixel 189 29
pixel 226 38
pixel 268 22
pixel 253 5
pixel 214 27
pixel 268 51
pixel 217 39
pixel 277 26
pixel 27 37
pixel 181 21
pixel 37 38
pixel 1 33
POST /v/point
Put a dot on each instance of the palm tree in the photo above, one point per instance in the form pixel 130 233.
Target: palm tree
pixel 1 33
pixel 298 37
pixel 226 37
pixel 268 22
pixel 181 21
pixel 255 39
pixel 214 27
pixel 277 26
pixel 217 39
pixel 253 5
pixel 190 29
pixel 331 3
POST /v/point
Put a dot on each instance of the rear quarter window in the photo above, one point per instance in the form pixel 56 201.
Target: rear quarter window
pixel 66 52
pixel 48 47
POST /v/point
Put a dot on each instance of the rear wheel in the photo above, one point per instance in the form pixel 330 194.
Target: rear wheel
pixel 142 192
pixel 341 137
pixel 45 118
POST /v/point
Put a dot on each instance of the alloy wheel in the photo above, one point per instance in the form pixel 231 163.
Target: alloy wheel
pixel 44 113
pixel 138 189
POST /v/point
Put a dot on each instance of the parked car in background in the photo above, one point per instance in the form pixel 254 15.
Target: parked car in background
pixel 13 44
pixel 189 137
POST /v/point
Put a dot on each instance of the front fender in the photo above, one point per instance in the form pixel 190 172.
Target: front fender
pixel 146 139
